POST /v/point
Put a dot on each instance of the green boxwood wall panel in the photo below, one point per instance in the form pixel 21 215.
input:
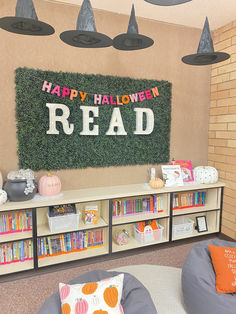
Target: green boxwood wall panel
pixel 38 150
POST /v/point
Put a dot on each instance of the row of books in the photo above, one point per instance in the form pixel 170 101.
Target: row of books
pixel 190 199
pixel 16 222
pixel 152 204
pixel 69 242
pixel 16 251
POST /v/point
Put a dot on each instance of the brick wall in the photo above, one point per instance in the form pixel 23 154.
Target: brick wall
pixel 222 123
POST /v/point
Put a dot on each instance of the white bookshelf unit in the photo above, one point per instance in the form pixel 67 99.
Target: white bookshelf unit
pixel 114 214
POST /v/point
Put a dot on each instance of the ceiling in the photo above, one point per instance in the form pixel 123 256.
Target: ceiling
pixel 193 13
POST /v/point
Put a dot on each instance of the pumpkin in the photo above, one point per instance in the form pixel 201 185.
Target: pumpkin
pixel 0 180
pixel 81 306
pixel 89 287
pixel 100 312
pixel 3 197
pixel 156 183
pixel 95 300
pixel 111 296
pixel 205 175
pixel 65 308
pixel 49 185
pixel 64 292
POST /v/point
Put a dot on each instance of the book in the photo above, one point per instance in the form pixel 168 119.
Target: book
pixel 172 175
pixel 186 169
pixel 91 214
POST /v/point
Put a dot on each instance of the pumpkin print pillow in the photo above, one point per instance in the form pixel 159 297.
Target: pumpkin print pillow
pixel 101 297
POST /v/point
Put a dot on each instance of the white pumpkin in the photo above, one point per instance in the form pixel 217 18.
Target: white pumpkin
pixel 205 175
pixel 3 196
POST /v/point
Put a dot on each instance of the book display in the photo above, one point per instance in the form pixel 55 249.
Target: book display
pixel 106 221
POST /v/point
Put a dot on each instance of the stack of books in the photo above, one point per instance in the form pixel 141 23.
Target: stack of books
pixel 151 204
pixel 69 242
pixel 16 222
pixel 190 199
pixel 16 251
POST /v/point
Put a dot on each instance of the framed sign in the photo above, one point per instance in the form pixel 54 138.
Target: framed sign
pixel 201 224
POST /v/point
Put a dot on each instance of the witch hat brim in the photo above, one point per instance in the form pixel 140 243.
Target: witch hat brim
pixel 167 2
pixel 129 41
pixel 205 54
pixel 132 40
pixel 85 39
pixel 25 26
pixel 205 58
pixel 86 35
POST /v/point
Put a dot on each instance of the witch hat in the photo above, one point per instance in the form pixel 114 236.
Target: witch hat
pixel 205 53
pixel 167 2
pixel 25 21
pixel 86 35
pixel 132 40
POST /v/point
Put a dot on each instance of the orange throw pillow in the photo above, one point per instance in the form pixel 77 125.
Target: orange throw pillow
pixel 224 263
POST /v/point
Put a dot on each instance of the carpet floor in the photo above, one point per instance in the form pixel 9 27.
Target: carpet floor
pixel 25 294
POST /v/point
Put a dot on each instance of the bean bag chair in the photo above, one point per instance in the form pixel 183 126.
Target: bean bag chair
pixel 199 282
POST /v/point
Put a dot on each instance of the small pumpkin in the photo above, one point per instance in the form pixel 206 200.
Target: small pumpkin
pixel 89 287
pixel 64 292
pixel 65 308
pixel 49 185
pixel 156 183
pixel 111 296
pixel 100 312
pixel 81 306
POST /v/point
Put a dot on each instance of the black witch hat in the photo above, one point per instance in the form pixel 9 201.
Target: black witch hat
pixel 86 35
pixel 205 54
pixel 167 2
pixel 132 40
pixel 25 21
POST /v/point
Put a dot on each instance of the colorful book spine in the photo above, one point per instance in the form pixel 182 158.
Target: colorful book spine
pixel 69 242
pixel 15 222
pixel 191 199
pixel 19 251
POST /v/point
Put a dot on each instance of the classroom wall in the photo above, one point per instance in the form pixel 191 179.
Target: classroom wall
pixel 222 123
pixel 162 61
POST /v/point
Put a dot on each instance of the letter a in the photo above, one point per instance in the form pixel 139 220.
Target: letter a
pixel 116 122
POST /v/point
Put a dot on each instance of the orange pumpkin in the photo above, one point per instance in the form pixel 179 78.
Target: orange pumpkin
pixel 65 308
pixel 100 312
pixel 89 287
pixel 156 183
pixel 111 296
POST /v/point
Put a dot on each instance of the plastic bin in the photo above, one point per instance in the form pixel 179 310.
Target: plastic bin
pixel 148 237
pixel 182 226
pixel 64 222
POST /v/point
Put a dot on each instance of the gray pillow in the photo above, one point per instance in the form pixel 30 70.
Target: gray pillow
pixel 199 282
pixel 135 297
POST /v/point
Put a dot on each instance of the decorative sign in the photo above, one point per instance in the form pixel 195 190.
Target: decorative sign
pixel 99 99
pixel 201 224
pixel 80 130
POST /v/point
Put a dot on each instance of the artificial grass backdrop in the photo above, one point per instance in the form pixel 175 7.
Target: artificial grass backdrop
pixel 38 150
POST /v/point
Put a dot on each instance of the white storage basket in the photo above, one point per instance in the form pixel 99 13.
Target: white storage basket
pixel 148 237
pixel 182 226
pixel 64 222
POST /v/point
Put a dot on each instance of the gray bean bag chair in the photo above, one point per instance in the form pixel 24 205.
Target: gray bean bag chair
pixel 135 297
pixel 199 282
